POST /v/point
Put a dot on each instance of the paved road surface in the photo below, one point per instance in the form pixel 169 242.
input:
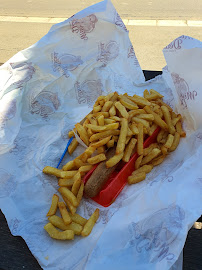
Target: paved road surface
pixel 148 41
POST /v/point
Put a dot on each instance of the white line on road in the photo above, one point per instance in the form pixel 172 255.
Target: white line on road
pixel 126 21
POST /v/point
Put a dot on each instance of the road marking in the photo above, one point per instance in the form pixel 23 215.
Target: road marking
pixel 174 23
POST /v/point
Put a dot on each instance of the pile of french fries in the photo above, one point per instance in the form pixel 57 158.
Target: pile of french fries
pixel 119 121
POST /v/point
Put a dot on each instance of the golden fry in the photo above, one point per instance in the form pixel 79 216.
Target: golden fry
pixel 176 119
pixel 77 183
pixel 148 117
pixel 157 118
pixel 115 138
pixel 152 129
pixel 101 149
pixel 103 128
pixel 114 97
pixel 109 121
pixel 175 142
pixel 78 163
pixel 80 193
pixel 68 195
pixel 140 101
pixel 101 142
pixel 154 153
pixel 84 169
pixel 69 205
pixel 168 120
pixel 58 173
pixel 54 205
pixel 107 106
pixel 180 130
pixel 71 133
pixel 140 139
pixel 112 111
pixel 78 219
pixel 105 114
pixel 90 223
pixel 133 113
pixel 121 109
pixel 169 141
pixel 97 159
pixel 164 150
pixel 128 139
pixel 133 179
pixel 122 137
pixel 114 160
pixel 89 132
pixel 160 135
pixel 147 150
pixel 145 168
pixel 158 160
pixel 129 149
pixel 72 146
pixel 97 108
pixel 128 104
pixel 134 129
pixel 59 223
pixel 130 133
pixel 64 213
pixel 110 143
pixel 104 134
pixel 68 166
pixel 116 118
pixel 92 119
pixel 64 182
pixel 100 120
pixel 54 233
pixel 82 133
pixel 138 162
pixel 144 122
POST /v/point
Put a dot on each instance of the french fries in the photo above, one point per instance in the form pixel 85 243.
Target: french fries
pixel 54 205
pixel 59 173
pixel 96 159
pixel 83 133
pixel 68 195
pixel 129 150
pixel 64 213
pixel 114 130
pixel 136 178
pixel 121 109
pixel 122 137
pixel 114 160
pixel 140 139
pixel 59 223
pixel 90 223
pixel 154 153
pixel 54 233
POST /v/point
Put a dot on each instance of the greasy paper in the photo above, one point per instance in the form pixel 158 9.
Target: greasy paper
pixel 44 91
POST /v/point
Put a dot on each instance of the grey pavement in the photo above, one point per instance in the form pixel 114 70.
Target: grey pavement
pixel 148 41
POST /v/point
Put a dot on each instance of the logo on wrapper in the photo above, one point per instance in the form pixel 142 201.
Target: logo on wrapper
pixel 7 112
pixel 131 54
pixel 88 91
pixel 44 104
pixel 118 21
pixel 65 62
pixel 84 25
pixel 24 71
pixel 155 233
pixel 7 183
pixel 107 52
pixel 182 89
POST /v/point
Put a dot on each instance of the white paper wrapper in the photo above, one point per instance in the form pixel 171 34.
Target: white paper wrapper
pixel 44 91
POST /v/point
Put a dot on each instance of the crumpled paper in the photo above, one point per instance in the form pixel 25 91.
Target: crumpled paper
pixel 44 91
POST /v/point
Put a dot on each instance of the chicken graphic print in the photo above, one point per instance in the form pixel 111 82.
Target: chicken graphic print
pixel 65 63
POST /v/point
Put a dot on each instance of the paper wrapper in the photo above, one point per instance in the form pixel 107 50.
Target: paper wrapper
pixel 44 91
